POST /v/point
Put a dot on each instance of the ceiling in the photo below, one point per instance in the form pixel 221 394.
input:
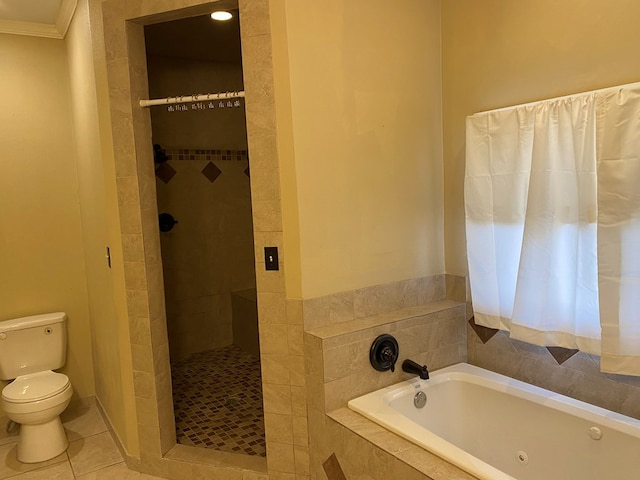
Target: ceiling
pixel 40 18
pixel 196 38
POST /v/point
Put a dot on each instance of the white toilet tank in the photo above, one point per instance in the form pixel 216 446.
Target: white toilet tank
pixel 32 344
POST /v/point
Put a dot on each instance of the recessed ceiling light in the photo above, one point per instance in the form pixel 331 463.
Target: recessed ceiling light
pixel 221 16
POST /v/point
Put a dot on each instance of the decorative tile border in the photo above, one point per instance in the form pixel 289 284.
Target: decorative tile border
pixel 166 172
pixel 206 154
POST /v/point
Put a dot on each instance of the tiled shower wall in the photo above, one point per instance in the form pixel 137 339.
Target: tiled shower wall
pixel 208 254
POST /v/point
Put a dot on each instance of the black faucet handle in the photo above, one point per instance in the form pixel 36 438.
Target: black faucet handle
pixel 387 355
pixel 384 353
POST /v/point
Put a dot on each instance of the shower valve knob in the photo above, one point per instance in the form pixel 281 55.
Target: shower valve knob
pixel 166 221
pixel 384 353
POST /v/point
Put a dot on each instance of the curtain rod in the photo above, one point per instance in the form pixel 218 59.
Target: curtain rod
pixel 563 97
pixel 198 97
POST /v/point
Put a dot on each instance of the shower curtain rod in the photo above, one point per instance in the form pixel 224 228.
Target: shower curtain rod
pixel 199 97
pixel 563 97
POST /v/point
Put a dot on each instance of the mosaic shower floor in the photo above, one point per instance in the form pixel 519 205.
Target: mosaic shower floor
pixel 217 398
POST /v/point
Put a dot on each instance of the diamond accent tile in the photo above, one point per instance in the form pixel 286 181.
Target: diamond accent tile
pixel 332 468
pixel 247 172
pixel 165 172
pixel 211 172
pixel 217 397
pixel 561 354
pixel 484 333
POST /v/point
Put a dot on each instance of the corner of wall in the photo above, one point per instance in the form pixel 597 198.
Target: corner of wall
pixel 285 146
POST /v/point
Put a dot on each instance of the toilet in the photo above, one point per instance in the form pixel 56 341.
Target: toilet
pixel 30 349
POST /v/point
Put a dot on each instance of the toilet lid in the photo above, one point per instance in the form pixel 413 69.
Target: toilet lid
pixel 35 386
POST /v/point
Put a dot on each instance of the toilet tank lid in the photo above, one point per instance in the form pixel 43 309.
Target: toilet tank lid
pixel 32 321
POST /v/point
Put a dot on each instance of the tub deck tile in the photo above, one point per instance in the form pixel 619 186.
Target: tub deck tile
pixel 417 457
pixel 347 332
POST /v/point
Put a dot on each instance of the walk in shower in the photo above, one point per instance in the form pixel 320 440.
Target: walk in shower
pixel 205 222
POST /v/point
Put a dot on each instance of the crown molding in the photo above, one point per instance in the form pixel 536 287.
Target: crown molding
pixel 65 14
pixel 59 30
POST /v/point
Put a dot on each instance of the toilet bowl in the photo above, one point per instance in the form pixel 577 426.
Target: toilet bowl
pixel 35 401
pixel 31 348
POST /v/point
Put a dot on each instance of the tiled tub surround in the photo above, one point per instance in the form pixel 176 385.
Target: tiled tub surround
pixel 568 372
pixel 364 302
pixel 338 369
pixel 577 377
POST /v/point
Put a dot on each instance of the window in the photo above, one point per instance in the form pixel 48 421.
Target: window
pixel 553 223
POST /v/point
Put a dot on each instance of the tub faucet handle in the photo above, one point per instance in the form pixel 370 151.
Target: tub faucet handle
pixel 384 353
pixel 387 354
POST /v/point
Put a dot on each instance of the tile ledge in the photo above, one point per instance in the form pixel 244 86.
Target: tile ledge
pixel 364 323
pixel 217 459
pixel 409 453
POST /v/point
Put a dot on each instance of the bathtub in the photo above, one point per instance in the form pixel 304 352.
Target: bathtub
pixel 498 428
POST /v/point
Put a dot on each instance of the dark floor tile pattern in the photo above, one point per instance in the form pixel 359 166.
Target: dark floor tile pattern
pixel 217 398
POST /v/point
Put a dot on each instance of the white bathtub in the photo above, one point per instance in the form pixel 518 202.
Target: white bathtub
pixel 498 428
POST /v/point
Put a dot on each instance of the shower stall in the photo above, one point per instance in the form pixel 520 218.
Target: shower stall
pixel 206 233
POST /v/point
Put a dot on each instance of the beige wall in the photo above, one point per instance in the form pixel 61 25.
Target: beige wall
pixel 501 52
pixel 114 387
pixel 41 250
pixel 358 91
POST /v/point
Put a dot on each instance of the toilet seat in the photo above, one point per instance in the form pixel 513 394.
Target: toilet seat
pixel 35 387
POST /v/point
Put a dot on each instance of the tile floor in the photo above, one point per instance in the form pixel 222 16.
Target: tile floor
pixel 217 398
pixel 92 453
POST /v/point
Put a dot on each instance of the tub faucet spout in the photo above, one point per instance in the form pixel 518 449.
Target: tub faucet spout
pixel 410 366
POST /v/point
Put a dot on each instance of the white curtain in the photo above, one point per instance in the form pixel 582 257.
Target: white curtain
pixel 530 197
pixel 618 138
pixel 552 201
